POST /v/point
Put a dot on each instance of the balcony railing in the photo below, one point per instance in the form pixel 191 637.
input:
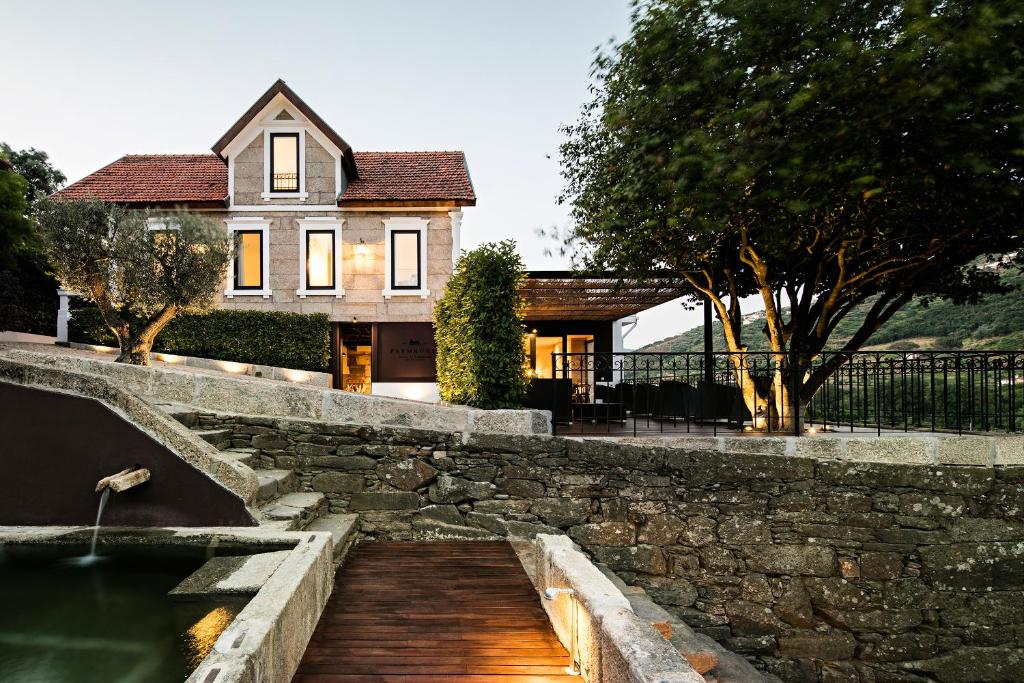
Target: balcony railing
pixel 872 391
pixel 285 182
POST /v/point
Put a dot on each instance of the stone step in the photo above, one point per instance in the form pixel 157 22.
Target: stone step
pixel 189 418
pixel 221 438
pixel 343 528
pixel 274 483
pixel 250 457
pixel 293 511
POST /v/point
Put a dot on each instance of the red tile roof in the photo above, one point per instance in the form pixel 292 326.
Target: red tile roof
pixel 411 176
pixel 189 178
pixel 155 178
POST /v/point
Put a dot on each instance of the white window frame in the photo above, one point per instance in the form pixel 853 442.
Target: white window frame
pixel 405 223
pixel 160 224
pixel 267 195
pixel 321 224
pixel 251 224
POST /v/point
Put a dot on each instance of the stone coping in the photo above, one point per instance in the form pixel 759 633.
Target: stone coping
pixel 230 474
pixel 267 639
pixel 907 449
pixel 318 379
pixel 265 397
pixel 613 644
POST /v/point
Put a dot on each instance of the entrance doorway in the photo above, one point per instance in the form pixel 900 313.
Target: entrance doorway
pixel 352 356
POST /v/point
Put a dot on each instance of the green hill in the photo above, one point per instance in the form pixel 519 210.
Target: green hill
pixel 995 323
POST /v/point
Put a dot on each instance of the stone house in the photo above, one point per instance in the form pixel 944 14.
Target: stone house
pixel 368 238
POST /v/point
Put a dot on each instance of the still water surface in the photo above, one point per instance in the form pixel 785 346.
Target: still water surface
pixel 108 621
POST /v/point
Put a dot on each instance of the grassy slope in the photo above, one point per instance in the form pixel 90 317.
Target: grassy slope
pixel 997 322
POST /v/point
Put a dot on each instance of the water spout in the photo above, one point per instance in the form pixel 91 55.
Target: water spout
pixel 123 480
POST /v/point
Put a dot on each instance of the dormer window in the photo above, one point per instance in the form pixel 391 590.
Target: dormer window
pixel 284 162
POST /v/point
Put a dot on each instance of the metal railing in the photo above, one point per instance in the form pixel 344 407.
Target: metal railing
pixel 869 391
pixel 285 182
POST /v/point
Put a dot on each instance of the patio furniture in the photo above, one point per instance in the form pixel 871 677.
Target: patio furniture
pixel 599 412
pixel 550 394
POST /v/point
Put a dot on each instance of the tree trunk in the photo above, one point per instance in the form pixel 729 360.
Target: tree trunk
pixel 135 350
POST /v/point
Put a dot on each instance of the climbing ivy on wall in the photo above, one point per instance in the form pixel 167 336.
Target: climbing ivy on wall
pixel 479 330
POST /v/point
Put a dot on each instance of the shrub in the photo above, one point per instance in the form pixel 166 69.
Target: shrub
pixel 287 340
pixel 479 330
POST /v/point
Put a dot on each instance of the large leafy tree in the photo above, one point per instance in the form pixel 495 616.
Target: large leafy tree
pixel 818 153
pixel 478 325
pixel 34 166
pixel 139 277
pixel 15 227
pixel 28 299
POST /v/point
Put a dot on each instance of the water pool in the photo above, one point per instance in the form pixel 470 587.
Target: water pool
pixel 110 621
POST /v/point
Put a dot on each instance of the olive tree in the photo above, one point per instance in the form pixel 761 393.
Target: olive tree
pixel 819 154
pixel 139 272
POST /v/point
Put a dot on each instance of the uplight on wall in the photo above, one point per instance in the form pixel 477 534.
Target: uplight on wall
pixel 552 594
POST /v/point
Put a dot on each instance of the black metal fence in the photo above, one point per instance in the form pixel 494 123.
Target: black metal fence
pixel 871 391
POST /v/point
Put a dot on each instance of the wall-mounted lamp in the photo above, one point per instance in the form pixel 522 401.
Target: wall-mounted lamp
pixel 552 593
pixel 361 248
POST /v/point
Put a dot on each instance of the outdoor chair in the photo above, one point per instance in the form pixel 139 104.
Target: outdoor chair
pixel 551 394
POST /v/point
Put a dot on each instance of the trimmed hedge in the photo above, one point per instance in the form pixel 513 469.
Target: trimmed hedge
pixel 299 341
pixel 478 326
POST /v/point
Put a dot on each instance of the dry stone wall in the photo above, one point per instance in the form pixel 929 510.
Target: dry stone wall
pixel 815 570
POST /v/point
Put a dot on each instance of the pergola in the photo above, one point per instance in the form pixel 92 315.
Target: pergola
pixel 565 295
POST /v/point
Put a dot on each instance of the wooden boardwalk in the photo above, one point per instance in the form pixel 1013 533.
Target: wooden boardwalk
pixel 447 612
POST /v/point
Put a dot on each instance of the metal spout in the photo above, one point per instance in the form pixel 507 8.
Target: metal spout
pixel 123 480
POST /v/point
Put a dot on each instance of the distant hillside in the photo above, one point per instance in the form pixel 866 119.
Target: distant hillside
pixel 996 323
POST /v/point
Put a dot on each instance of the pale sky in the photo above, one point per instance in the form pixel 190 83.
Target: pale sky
pixel 91 81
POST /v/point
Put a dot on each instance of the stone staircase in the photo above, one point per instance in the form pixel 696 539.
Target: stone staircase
pixel 279 504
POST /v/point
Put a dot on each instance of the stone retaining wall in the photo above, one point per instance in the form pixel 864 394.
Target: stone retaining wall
pixel 816 570
pixel 258 396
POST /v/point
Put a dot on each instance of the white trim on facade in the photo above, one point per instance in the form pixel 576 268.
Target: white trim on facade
pixel 405 223
pixel 267 195
pixel 256 223
pixel 400 209
pixel 320 224
pixel 456 217
pixel 304 208
pixel 263 124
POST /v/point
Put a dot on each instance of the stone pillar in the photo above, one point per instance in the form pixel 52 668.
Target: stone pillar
pixel 63 315
pixel 620 330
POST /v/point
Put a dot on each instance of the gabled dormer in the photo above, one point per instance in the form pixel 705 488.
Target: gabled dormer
pixel 281 152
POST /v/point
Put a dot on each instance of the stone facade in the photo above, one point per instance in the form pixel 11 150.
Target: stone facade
pixel 815 570
pixel 362 276
pixel 319 175
pixel 361 252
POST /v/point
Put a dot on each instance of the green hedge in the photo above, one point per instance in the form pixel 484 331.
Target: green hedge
pixel 478 326
pixel 287 340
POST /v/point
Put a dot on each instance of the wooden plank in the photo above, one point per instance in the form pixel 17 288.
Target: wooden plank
pixel 446 612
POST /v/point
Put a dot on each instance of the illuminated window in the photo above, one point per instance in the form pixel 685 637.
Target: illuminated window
pixel 284 162
pixel 544 347
pixel 320 259
pixel 405 259
pixel 248 259
pixel 320 268
pixel 405 256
